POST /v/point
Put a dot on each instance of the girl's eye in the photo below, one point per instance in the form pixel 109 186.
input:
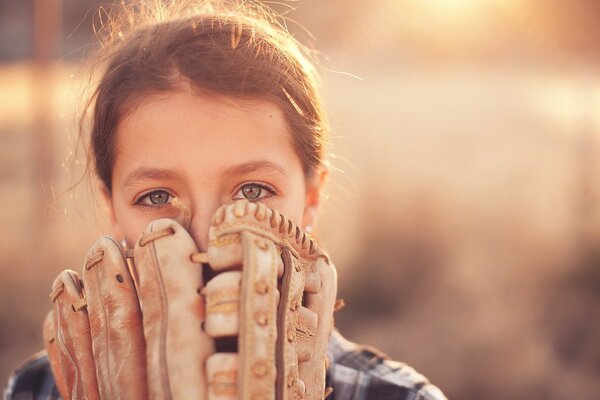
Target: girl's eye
pixel 155 198
pixel 253 191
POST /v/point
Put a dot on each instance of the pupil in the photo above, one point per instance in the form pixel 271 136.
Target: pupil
pixel 159 197
pixel 251 192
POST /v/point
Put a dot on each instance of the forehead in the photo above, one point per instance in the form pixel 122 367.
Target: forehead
pixel 201 133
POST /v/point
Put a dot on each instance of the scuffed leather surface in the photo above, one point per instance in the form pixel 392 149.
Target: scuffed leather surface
pixel 115 321
pixel 168 289
pixel 147 326
pixel 249 236
pixel 72 330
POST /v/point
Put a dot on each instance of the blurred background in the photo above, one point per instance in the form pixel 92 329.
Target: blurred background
pixel 462 212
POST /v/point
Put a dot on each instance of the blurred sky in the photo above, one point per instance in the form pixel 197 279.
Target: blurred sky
pixel 505 31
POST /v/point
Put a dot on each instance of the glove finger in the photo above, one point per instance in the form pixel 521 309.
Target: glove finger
pixel 222 295
pixel 288 315
pixel 239 243
pixel 222 372
pixel 222 304
pixel 258 317
pixel 238 235
pixel 306 329
pixel 169 286
pixel 50 344
pixel 225 251
pixel 115 323
pixel 312 371
pixel 73 337
pixel 312 282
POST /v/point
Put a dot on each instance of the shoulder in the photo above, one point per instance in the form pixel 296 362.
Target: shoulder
pixel 32 380
pixel 364 373
pixel 356 372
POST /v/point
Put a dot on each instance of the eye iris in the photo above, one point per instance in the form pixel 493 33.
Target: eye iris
pixel 251 192
pixel 159 197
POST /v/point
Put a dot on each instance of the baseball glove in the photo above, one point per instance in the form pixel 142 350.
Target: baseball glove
pixel 248 319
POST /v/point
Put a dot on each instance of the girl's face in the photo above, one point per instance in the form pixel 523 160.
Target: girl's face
pixel 205 150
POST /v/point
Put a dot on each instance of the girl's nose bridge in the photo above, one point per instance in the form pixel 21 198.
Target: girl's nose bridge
pixel 196 217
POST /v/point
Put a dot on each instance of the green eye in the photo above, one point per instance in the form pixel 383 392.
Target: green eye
pixel 254 192
pixel 155 199
pixel 251 192
pixel 159 197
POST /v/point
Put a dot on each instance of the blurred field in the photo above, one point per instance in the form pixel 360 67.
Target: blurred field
pixel 462 210
pixel 475 228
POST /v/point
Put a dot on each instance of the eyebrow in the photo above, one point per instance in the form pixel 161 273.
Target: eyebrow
pixel 148 174
pixel 156 174
pixel 253 166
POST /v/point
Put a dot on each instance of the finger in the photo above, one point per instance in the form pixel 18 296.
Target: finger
pixel 169 286
pixel 222 304
pixel 312 282
pixel 322 304
pixel 73 337
pixel 222 371
pixel 306 328
pixel 50 344
pixel 115 323
pixel 222 295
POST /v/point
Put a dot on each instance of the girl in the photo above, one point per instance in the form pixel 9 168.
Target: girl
pixel 208 105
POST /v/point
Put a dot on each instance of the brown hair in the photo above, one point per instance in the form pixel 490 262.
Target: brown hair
pixel 233 48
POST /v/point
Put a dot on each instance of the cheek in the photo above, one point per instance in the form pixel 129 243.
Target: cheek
pixel 291 205
pixel 129 223
pixel 137 222
pixel 132 235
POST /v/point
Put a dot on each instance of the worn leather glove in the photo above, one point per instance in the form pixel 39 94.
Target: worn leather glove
pixel 248 319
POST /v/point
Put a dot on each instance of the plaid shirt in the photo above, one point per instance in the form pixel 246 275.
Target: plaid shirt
pixel 356 373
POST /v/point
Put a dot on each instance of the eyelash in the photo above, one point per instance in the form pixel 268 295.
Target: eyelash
pixel 263 186
pixel 146 195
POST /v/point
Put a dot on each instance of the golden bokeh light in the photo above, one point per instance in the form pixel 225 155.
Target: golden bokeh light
pixel 463 206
